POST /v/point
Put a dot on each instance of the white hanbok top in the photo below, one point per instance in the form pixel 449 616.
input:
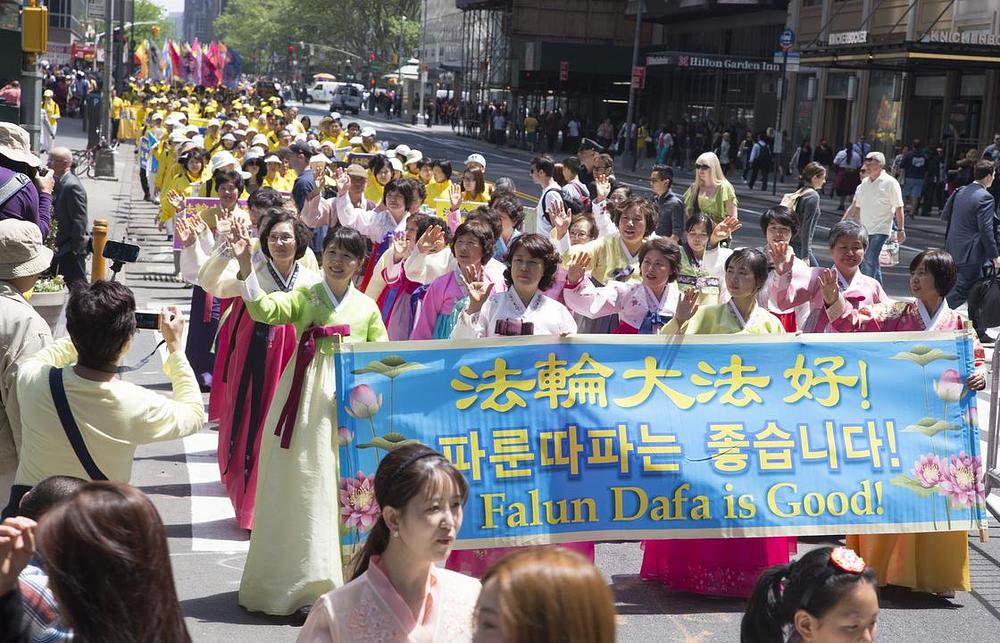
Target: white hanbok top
pixel 548 316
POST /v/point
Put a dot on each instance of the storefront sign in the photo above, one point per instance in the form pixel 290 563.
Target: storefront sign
pixel 564 70
pixel 58 53
pixel 964 38
pixel 638 77
pixel 848 38
pixel 709 61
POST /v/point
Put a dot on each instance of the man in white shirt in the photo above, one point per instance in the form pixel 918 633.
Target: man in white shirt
pixel 877 201
pixel 542 171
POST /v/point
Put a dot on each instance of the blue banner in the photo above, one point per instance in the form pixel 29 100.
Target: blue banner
pixel 614 437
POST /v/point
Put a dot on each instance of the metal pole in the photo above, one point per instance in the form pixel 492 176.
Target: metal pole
pixel 423 60
pixel 778 139
pixel 131 45
pixel 104 165
pixel 632 89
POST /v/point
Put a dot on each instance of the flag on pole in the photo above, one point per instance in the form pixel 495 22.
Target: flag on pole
pixel 141 58
pixel 176 70
pixel 233 65
pixel 155 64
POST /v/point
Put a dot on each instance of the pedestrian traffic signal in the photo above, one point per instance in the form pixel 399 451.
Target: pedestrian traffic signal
pixel 291 50
pixel 35 29
pixel 371 57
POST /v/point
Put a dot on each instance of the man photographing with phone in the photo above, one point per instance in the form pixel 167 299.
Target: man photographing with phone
pixel 80 417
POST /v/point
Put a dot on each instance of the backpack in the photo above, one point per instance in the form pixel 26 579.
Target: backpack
pixel 763 155
pixel 791 200
pixel 574 202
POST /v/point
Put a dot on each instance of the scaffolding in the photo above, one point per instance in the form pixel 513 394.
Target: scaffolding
pixel 485 71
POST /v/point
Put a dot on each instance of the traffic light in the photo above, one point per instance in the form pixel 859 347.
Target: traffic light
pixel 291 50
pixel 35 29
pixel 373 83
pixel 371 57
pixel 395 59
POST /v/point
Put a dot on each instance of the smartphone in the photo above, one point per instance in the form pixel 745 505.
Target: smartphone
pixel 147 320
pixel 121 251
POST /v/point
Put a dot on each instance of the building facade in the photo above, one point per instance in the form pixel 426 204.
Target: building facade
pixel 896 71
pixel 199 19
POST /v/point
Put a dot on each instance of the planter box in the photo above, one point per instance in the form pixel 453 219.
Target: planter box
pixel 49 305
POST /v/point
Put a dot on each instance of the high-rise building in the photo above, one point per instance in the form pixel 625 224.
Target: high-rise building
pixel 199 18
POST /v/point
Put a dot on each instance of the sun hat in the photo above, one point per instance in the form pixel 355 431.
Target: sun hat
pixel 396 164
pixel 476 158
pixel 357 171
pixel 15 144
pixel 272 159
pixel 22 252
pixel 221 159
pixel 367 132
pixel 414 156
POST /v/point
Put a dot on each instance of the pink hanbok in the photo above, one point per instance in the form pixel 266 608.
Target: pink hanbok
pixel 369 609
pixel 445 299
pixel 800 285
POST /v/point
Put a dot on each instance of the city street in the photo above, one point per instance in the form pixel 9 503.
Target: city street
pixel 208 549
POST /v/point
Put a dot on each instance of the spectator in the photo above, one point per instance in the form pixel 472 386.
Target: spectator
pixel 670 221
pixel 23 332
pixel 828 586
pixel 40 607
pixel 70 214
pixel 877 201
pixel 971 235
pixel 305 184
pixel 84 420
pixel 11 93
pixel 760 161
pixel 545 595
pixel 25 192
pixel 543 175
pixel 823 154
pixel 914 168
pixel 104 548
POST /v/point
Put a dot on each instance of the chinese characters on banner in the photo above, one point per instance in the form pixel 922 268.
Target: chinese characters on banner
pixel 602 438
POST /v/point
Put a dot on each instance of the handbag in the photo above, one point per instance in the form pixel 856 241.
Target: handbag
pixel 984 300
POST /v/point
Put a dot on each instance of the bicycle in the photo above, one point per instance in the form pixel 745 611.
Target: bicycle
pixel 84 160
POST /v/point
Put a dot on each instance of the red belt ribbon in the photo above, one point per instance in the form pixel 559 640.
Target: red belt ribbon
pixel 304 355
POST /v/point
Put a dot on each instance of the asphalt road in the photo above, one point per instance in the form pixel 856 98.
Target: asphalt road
pixel 208 550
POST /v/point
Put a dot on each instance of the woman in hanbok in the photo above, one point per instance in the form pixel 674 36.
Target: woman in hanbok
pixel 521 309
pixel 703 260
pixel 936 562
pixel 779 224
pixel 796 283
pixel 390 286
pixel 294 552
pixel 206 308
pixel 720 566
pixel 446 297
pixel 642 308
pixel 257 353
pixel 397 593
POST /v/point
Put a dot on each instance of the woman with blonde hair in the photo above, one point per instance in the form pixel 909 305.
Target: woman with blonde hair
pixel 544 595
pixel 710 192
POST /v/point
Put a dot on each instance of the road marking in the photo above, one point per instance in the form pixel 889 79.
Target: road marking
pixel 213 521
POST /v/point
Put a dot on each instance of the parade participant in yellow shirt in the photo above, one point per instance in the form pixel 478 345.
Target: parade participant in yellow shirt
pixel 187 184
pixel 116 114
pixel 51 123
pixel 379 174
pixel 440 181
pixel 474 186
pixel 368 143
pixel 275 178
pixel 410 165
pixel 293 125
pixel 212 133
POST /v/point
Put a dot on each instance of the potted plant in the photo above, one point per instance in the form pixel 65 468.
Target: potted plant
pixel 48 298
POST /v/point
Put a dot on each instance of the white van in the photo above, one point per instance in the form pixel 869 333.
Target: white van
pixel 346 98
pixel 322 91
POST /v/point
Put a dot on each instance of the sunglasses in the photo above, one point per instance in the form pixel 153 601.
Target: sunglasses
pixel 703 167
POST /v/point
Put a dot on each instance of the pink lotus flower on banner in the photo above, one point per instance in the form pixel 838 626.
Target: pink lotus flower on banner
pixel 344 436
pixel 929 471
pixel 963 481
pixel 363 403
pixel 950 386
pixel 358 507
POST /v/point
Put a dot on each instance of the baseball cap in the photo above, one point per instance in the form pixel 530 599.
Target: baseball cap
pixel 335 116
pixel 476 158
pixel 300 147
pixel 590 144
pixel 367 132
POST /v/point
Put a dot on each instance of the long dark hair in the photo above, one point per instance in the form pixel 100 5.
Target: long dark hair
pixel 402 474
pixel 812 583
pixel 104 548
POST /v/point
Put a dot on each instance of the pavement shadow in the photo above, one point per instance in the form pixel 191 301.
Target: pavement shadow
pixel 902 598
pixel 635 596
pixel 185 490
pixel 223 608
pixel 208 454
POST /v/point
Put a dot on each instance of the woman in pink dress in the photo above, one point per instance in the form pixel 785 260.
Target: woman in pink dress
pixel 397 594
pixel 721 566
pixel 257 353
pixel 446 297
pixel 936 562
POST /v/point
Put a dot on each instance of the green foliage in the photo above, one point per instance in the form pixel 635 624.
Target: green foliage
pixel 908 482
pixel 268 27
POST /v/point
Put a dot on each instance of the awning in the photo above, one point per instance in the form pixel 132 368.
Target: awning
pixel 904 56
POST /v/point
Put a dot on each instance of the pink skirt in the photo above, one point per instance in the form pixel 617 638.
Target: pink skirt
pixel 714 566
pixel 475 562
pixel 237 465
pixel 216 398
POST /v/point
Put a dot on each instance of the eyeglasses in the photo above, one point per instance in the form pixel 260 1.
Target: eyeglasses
pixel 281 238
pixel 703 167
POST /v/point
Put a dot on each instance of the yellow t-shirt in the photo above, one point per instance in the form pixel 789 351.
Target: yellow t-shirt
pixel 116 107
pixel 530 125
pixel 279 183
